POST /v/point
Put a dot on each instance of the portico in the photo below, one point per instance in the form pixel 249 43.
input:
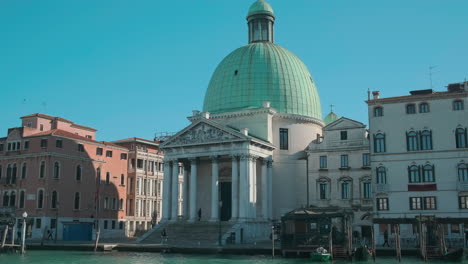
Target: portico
pixel 226 174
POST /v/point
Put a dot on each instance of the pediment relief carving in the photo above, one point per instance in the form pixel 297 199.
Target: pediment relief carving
pixel 200 134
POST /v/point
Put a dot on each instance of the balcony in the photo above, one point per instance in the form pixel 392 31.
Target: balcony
pixel 382 187
pixel 462 186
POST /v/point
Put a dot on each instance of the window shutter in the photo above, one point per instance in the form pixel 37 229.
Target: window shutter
pixel 421 173
pixel 407 142
pixel 384 140
pixel 430 139
pixel 409 174
pixel 375 148
pixel 433 172
pixel 466 138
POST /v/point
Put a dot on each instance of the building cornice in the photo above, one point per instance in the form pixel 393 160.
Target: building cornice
pixel 51 154
pixel 413 98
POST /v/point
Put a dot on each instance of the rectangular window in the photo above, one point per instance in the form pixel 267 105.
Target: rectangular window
pixel 58 143
pixel 344 135
pixel 463 202
pixel 53 223
pixel 113 224
pixel 105 224
pixel 132 163
pixel 344 161
pixel 382 204
pixel 323 191
pixel 109 153
pixel 80 148
pixel 415 203
pixel 123 156
pixel 367 190
pixel 99 151
pixel 345 190
pixel 121 225
pixel 139 163
pixel 38 223
pixel 284 138
pixel 26 145
pixel 323 162
pixel 455 229
pixel 411 109
pixel 430 203
pixel 379 143
pixel 1 147
pixel 365 160
pixel 43 143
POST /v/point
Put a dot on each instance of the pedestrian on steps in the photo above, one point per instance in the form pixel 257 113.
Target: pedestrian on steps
pixel 163 236
pixel 199 214
pixel 385 235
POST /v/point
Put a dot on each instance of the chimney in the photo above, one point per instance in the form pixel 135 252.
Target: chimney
pixel 266 104
pixel 195 113
pixel 376 94
pixel 206 115
pixel 244 131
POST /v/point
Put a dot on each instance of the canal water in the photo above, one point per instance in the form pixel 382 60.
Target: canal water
pixel 84 257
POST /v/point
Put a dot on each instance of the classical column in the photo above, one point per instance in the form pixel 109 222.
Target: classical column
pixel 270 188
pixel 167 179
pixel 185 190
pixel 264 190
pixel 175 189
pixel 243 185
pixel 253 186
pixel 214 189
pixel 193 189
pixel 234 189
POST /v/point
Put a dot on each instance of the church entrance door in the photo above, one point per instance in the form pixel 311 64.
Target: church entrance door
pixel 225 188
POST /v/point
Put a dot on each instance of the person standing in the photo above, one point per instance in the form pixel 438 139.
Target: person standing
pixel 199 214
pixel 163 236
pixel 385 235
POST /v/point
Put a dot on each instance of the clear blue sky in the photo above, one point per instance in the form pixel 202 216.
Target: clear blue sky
pixel 133 68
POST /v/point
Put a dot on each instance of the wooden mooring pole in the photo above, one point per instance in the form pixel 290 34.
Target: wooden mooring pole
pixel 5 232
pixel 396 230
pixel 373 242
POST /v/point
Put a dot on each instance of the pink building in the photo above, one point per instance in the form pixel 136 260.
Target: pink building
pixel 65 180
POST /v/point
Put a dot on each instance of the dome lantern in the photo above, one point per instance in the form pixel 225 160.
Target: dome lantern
pixel 260 20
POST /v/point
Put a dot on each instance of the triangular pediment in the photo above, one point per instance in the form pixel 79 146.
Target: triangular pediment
pixel 344 123
pixel 203 132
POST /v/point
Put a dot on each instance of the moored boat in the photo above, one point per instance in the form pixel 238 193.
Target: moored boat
pixel 455 255
pixel 320 256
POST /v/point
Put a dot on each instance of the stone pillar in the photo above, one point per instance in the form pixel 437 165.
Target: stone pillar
pixel 185 189
pixel 270 188
pixel 253 186
pixel 243 191
pixel 264 190
pixel 166 202
pixel 214 189
pixel 175 189
pixel 235 188
pixel 193 190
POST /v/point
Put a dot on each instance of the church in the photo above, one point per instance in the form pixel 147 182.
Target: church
pixel 243 157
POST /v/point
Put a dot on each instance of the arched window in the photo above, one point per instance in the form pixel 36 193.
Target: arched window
pixel 8 174
pixel 460 138
pixel 410 109
pixel 13 199
pixel 76 204
pixel 379 143
pixel 107 178
pixel 53 200
pixel 457 105
pixel 6 199
pixel 23 171
pixel 21 199
pixel 56 170
pixel 424 108
pixel 413 174
pixel 378 111
pixel 122 179
pixel 323 186
pixel 426 140
pixel 381 175
pixel 13 174
pixel 428 173
pixel 462 172
pixel 412 141
pixel 42 170
pixel 40 199
pixel 78 173
pixel 121 204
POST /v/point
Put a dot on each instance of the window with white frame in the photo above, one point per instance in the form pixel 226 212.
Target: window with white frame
pixel 365 160
pixel 382 204
pixel 344 161
pixel 461 137
pixel 381 175
pixel 462 170
pixel 379 143
pixel 323 162
pixel 457 105
pixel 367 190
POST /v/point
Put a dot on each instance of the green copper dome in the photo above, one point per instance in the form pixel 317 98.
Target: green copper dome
pixel 259 72
pixel 330 118
pixel 260 7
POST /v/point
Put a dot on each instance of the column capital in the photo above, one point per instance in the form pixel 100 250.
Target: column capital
pixel 214 158
pixel 269 163
pixel 235 156
pixel 193 160
pixel 249 157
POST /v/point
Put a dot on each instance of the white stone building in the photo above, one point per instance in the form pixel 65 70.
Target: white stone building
pixel 419 160
pixel 339 172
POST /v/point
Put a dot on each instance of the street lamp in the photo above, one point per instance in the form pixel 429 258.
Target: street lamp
pixel 25 215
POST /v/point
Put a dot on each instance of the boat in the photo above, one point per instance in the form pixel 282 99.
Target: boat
pixel 455 255
pixel 361 253
pixel 320 256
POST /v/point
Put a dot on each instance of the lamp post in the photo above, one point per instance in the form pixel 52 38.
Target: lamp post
pixel 23 235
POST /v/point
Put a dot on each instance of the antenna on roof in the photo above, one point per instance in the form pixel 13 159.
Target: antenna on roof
pixel 331 108
pixel 430 75
pixel 368 94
